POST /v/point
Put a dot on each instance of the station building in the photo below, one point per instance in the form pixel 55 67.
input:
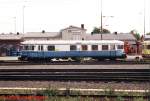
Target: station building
pixel 11 42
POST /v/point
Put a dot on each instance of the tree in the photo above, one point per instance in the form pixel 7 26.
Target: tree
pixel 98 31
pixel 138 39
pixel 136 35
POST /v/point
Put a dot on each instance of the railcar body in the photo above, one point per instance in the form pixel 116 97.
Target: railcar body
pixel 146 49
pixel 60 49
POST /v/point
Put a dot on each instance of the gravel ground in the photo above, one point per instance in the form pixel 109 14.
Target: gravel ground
pixel 144 66
pixel 83 84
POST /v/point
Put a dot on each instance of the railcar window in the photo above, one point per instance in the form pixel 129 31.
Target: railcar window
pixel 112 47
pixel 84 47
pixel 148 46
pixel 51 48
pixel 104 47
pixel 94 47
pixel 120 47
pixel 29 47
pixel 40 48
pixel 73 47
pixel 32 47
pixel 26 47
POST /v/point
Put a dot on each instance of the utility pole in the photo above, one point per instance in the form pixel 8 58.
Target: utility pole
pixel 23 15
pixel 14 24
pixel 144 19
pixel 101 21
pixel 23 18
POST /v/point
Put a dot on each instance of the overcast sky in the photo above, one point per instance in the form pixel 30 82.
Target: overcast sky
pixel 53 15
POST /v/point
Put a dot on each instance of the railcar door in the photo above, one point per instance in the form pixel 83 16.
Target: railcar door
pixel 112 51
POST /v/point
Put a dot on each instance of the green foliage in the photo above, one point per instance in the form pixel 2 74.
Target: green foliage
pixel 98 31
pixel 119 98
pixel 50 92
pixel 106 99
pixel 138 99
pixel 136 34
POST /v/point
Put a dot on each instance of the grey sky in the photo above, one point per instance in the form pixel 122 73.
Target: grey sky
pixel 53 15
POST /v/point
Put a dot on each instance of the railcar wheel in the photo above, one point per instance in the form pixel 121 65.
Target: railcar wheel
pixel 113 59
pixel 100 59
pixel 78 59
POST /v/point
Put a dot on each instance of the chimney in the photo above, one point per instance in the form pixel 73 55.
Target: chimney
pixel 18 33
pixel 82 26
pixel 115 33
pixel 43 31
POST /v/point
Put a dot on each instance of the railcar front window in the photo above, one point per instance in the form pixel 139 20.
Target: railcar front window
pixel 94 47
pixel 120 47
pixel 73 47
pixel 84 47
pixel 51 48
pixel 148 46
pixel 104 47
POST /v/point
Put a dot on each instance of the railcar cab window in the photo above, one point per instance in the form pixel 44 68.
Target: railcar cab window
pixel 95 47
pixel 40 48
pixel 51 48
pixel 73 47
pixel 148 46
pixel 119 46
pixel 84 47
pixel 104 47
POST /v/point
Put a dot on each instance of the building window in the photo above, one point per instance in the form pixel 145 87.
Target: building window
pixel 69 31
pixel 94 47
pixel 120 47
pixel 73 47
pixel 104 47
pixel 51 48
pixel 84 47
pixel 76 37
pixel 112 47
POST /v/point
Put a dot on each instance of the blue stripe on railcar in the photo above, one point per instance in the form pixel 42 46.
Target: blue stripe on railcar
pixel 61 54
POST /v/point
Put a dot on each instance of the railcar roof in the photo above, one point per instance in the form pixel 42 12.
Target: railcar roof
pixel 72 42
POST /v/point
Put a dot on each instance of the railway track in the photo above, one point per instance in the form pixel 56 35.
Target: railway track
pixel 119 62
pixel 76 74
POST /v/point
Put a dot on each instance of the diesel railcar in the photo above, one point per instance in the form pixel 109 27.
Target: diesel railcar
pixel 74 49
pixel 146 49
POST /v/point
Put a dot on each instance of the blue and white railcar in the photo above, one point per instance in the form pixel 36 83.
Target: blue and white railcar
pixel 44 49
